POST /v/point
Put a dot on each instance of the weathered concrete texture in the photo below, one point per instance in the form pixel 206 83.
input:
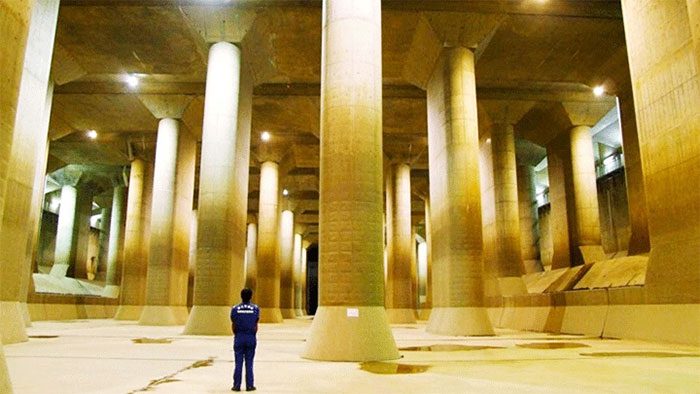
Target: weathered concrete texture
pixel 455 198
pixel 133 284
pixel 634 177
pixel 115 256
pixel 218 277
pixel 269 270
pixel 285 255
pixel 351 282
pixel 401 297
pixel 252 257
pixel 663 42
pixel 173 183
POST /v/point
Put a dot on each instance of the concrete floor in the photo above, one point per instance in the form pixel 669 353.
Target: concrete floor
pixel 100 356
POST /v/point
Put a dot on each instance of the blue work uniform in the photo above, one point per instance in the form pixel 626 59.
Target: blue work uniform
pixel 245 316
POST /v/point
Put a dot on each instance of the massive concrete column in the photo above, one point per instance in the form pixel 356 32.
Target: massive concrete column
pixel 304 259
pixel 528 219
pixel 115 253
pixel 165 301
pixel 453 138
pixel 285 255
pixel 103 252
pixel 219 271
pixel 424 313
pixel 269 270
pixel 133 284
pixel 586 234
pixel 298 303
pixel 507 224
pixel 558 155
pixel 351 280
pixel 663 42
pixel 66 236
pixel 634 177
pixel 401 299
pixel 252 256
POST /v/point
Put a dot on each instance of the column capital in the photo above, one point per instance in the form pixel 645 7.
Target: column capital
pixel 164 106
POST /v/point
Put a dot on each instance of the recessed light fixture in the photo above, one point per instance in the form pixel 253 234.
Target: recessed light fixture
pixel 488 140
pixel 92 134
pixel 265 136
pixel 132 80
pixel 599 90
pixel 285 192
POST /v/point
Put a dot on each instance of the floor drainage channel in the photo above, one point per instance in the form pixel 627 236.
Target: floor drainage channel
pixel 42 336
pixel 152 340
pixel 446 348
pixel 171 378
pixel 392 368
pixel 552 345
pixel 640 354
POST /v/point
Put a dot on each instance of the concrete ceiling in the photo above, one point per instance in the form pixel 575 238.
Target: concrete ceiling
pixel 546 54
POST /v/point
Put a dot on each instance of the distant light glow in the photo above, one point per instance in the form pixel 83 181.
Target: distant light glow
pixel 132 80
pixel 599 90
pixel 265 136
pixel 488 140
pixel 285 192
pixel 92 134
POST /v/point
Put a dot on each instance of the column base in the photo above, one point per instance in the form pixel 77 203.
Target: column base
pixel 271 315
pixel 5 384
pixel 424 314
pixel 12 326
pixel 163 315
pixel 460 321
pixel 128 312
pixel 401 315
pixel 592 253
pixel 288 313
pixel 299 313
pixel 350 333
pixel 110 291
pixel 59 270
pixel 209 320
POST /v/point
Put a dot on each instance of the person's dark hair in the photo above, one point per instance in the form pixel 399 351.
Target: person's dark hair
pixel 246 294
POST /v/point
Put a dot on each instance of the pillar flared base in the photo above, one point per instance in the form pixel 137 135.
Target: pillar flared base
pixel 299 312
pixel 288 313
pixel 209 320
pixel 59 270
pixel 463 321
pixel 12 326
pixel 128 312
pixel 271 315
pixel 350 333
pixel 110 291
pixel 401 315
pixel 163 315
pixel 424 314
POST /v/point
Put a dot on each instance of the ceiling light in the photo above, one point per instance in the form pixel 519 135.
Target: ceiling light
pixel 285 192
pixel 599 90
pixel 265 136
pixel 132 80
pixel 488 140
pixel 92 134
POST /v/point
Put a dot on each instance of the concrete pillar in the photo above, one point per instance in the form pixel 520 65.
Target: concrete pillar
pixel 115 254
pixel 66 236
pixel 219 271
pixel 159 309
pixel 424 313
pixel 557 159
pixel 268 277
pixel 401 298
pixel 298 308
pixel 634 177
pixel 663 41
pixel 453 140
pixel 507 241
pixel 528 219
pixel 133 283
pixel 103 252
pixel 351 283
pixel 587 218
pixel 304 258
pixel 251 254
pixel 285 255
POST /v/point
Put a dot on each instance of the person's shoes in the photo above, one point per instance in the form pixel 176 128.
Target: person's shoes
pixel 235 389
pixel 250 388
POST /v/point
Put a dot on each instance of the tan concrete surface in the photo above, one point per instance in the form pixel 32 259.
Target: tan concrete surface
pixel 285 255
pixel 118 365
pixel 115 255
pixel 268 265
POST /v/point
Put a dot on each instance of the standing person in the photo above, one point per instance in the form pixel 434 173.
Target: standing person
pixel 244 324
